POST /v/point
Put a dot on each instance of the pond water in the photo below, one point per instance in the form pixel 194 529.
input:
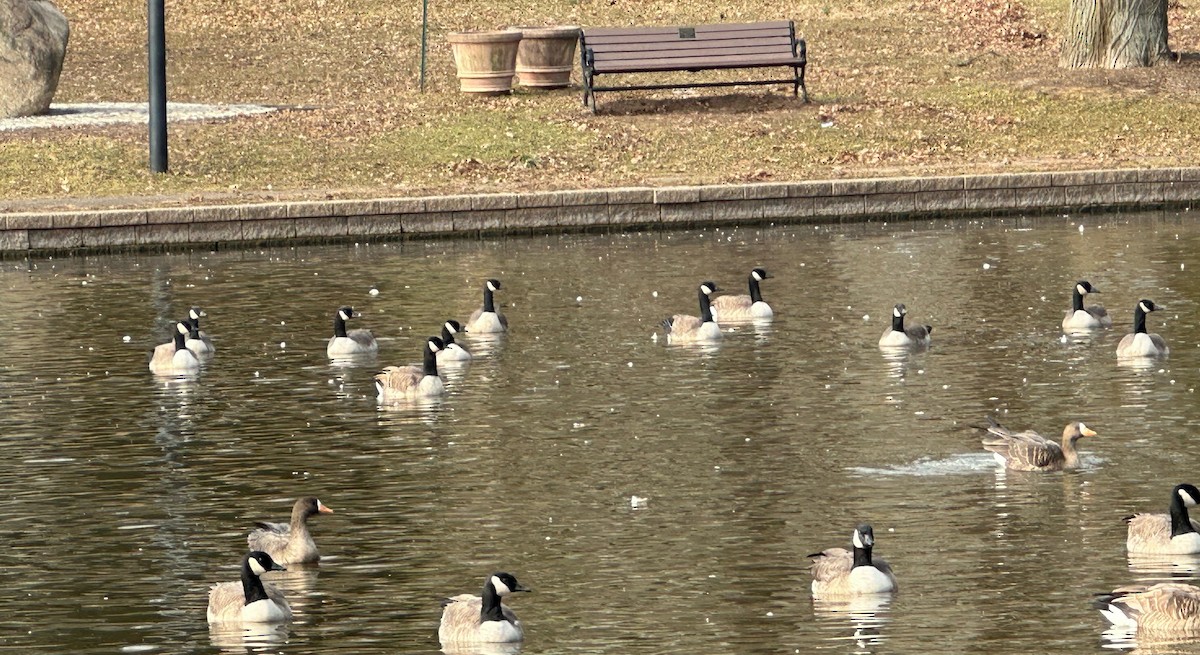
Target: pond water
pixel 126 496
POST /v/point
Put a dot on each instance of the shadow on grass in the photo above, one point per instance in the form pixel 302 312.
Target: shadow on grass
pixel 731 103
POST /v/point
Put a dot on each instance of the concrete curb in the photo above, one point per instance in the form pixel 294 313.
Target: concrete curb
pixel 23 234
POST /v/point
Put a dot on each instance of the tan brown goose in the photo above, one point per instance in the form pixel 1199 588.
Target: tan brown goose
pixel 688 329
pixel 841 572
pixel 1030 451
pixel 1167 607
pixel 486 319
pixel 290 543
pixel 1173 533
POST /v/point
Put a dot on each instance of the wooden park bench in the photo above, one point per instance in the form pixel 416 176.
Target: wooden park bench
pixel 612 50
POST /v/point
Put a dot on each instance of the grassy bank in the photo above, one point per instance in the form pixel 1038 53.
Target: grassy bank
pixel 900 87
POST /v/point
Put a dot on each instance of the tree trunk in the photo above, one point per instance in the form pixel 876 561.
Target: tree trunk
pixel 1115 34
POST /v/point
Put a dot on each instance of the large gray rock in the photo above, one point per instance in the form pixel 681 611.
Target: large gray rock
pixel 33 43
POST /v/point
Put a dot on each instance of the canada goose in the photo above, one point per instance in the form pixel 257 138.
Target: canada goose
pixel 472 618
pixel 1140 343
pixel 1085 318
pixel 1030 451
pixel 486 319
pixel 198 340
pixel 839 572
pixel 743 307
pixel 250 601
pixel 685 328
pixel 354 342
pixel 409 382
pixel 289 543
pixel 1173 533
pixel 1166 607
pixel 174 358
pixel 452 351
pixel 897 336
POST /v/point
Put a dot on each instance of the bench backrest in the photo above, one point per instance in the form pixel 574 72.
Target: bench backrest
pixel 610 45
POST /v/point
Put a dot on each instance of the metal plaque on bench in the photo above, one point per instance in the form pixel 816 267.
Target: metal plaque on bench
pixel 687 32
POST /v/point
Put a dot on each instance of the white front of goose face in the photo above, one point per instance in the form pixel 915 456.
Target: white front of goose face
pixel 181 328
pixel 755 274
pixel 256 566
pixel 433 346
pixel 1188 499
pixel 1081 290
pixel 706 290
pixel 492 286
pixel 344 315
pixel 861 540
pixel 501 588
pixel 898 311
pixel 450 328
pixel 1144 308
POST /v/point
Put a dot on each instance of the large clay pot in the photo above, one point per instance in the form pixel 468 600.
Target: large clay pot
pixel 486 61
pixel 546 56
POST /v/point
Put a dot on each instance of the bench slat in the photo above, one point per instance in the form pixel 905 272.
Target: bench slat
pixel 640 50
pixel 697 63
pixel 617 41
pixel 593 32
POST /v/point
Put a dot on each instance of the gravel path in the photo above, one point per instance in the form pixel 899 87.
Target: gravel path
pixel 108 113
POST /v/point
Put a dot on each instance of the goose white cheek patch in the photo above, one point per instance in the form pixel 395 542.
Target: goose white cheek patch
pixel 256 567
pixel 501 588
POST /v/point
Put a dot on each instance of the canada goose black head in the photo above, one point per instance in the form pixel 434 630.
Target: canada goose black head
pixel 195 313
pixel 346 313
pixel 493 284
pixel 452 326
pixel 505 584
pixel 759 274
pixel 259 563
pixel 1188 494
pixel 1084 287
pixel 708 288
pixel 864 537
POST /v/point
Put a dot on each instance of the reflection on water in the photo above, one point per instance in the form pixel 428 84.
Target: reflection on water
pixel 862 618
pixel 126 496
pixel 248 637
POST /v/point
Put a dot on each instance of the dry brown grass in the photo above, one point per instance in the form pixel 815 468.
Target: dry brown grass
pixel 900 87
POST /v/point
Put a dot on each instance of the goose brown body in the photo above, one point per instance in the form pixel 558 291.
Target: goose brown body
pixel 1030 451
pixel 292 542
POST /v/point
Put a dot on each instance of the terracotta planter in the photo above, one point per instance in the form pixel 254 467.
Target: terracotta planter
pixel 486 61
pixel 546 56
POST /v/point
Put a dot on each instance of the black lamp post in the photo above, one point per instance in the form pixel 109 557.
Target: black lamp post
pixel 156 24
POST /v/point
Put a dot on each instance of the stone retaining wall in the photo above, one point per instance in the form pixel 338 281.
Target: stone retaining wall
pixel 505 213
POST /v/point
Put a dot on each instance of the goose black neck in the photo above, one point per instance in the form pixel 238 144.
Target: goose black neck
pixel 489 305
pixel 447 338
pixel 1139 320
pixel 705 308
pixel 252 587
pixel 755 293
pixel 1077 300
pixel 492 609
pixel 897 322
pixel 862 556
pixel 1181 523
pixel 429 364
pixel 193 328
pixel 180 342
pixel 339 325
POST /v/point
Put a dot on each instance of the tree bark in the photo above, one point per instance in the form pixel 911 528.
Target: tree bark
pixel 1115 34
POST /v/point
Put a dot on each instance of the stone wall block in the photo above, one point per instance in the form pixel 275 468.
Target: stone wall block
pixel 722 192
pixel 155 234
pixel 531 217
pixel 428 223
pixel 768 190
pixel 216 232
pixel 55 239
pixel 738 210
pixel 988 200
pixel 584 215
pixel 175 215
pixel 396 206
pixel 940 201
pixel 275 229
pixel 110 237
pixel 550 199
pixel 483 221
pixel 677 195
pixel 843 206
pixel 630 195
pixel 634 214
pixel 491 201
pixel 890 204
pixel 587 197
pixel 685 212
pixel 388 225
pixel 14 240
pixel 320 226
